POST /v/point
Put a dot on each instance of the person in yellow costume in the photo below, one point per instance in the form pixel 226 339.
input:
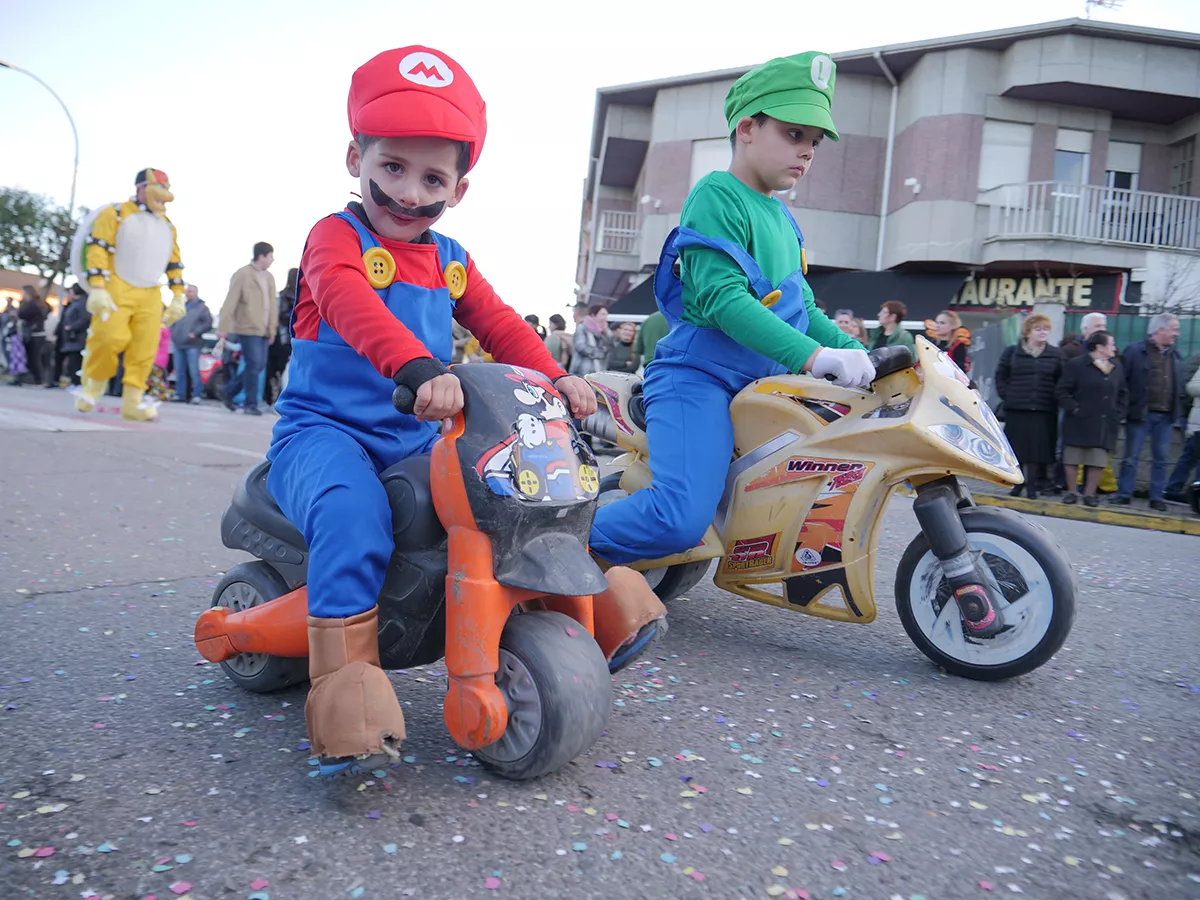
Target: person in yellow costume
pixel 130 246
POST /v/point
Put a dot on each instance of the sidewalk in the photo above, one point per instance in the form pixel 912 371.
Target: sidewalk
pixel 1178 518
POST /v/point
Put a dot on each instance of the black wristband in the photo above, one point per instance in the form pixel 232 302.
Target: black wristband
pixel 416 372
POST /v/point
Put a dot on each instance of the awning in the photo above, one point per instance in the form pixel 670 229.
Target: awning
pixel 924 293
pixel 637 302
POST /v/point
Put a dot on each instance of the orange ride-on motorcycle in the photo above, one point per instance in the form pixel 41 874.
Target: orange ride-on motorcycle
pixel 493 521
pixel 983 592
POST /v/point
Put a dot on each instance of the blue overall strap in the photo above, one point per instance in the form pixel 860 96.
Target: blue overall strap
pixel 366 240
pixel 449 251
pixel 796 228
pixel 667 287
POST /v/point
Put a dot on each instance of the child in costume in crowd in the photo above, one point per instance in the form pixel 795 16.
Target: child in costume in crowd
pixel 377 294
pixel 744 310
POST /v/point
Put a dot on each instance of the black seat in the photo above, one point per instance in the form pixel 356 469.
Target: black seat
pixel 415 524
pixel 888 360
pixel 254 503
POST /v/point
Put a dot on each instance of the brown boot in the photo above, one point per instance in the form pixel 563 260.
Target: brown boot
pixel 628 615
pixel 352 710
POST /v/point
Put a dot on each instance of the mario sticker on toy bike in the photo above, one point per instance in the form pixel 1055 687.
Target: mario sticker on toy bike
pixel 543 459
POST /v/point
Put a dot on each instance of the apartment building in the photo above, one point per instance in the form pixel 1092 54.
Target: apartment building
pixel 982 172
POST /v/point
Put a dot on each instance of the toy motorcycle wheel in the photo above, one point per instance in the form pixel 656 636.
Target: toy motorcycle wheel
pixel 1029 572
pixel 555 682
pixel 668 582
pixel 244 586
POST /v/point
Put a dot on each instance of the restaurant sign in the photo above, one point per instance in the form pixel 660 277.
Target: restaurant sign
pixel 1099 292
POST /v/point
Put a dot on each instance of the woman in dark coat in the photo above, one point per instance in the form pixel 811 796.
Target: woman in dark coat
pixel 74 324
pixel 1027 382
pixel 32 330
pixel 1094 398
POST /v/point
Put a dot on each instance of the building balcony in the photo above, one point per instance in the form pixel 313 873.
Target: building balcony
pixel 1091 214
pixel 618 232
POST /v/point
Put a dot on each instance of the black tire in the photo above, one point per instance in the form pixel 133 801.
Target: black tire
pixel 1038 543
pixel 559 695
pixel 246 585
pixel 215 383
pixel 676 580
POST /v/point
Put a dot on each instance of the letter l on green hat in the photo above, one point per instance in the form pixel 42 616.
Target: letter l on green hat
pixel 794 89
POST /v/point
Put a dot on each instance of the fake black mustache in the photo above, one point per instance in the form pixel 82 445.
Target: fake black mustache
pixel 429 211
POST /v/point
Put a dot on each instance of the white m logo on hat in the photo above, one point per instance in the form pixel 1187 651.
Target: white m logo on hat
pixel 427 70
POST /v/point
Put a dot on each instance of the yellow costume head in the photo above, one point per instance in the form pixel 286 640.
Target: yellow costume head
pixel 154 189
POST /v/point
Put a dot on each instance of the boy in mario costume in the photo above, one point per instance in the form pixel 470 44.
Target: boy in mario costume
pixel 743 310
pixel 377 294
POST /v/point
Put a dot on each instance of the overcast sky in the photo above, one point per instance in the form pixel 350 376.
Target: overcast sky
pixel 243 104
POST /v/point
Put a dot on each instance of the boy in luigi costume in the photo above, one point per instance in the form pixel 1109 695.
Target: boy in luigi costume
pixel 377 293
pixel 738 306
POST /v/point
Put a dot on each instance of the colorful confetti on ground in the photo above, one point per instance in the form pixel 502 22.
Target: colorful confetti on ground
pixel 758 753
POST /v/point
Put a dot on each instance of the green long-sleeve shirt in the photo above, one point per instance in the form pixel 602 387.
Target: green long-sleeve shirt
pixel 716 293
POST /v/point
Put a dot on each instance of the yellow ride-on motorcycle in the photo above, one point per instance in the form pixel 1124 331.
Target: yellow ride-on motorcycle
pixel 983 592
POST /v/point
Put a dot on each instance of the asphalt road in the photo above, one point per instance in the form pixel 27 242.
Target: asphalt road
pixel 758 753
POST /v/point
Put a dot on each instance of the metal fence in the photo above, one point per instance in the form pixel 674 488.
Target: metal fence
pixel 1087 212
pixel 1129 329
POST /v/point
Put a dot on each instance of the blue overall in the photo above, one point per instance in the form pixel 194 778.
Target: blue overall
pixel 338 430
pixel 688 388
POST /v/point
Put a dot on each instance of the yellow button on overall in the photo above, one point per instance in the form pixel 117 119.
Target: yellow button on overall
pixel 803 262
pixel 771 298
pixel 456 279
pixel 381 268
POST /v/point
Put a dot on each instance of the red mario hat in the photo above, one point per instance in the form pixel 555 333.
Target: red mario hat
pixel 417 92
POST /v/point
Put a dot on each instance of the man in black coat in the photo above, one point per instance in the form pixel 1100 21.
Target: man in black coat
pixel 1154 376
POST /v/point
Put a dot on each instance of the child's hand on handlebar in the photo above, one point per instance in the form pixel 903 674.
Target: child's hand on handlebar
pixel 848 368
pixel 439 398
pixel 579 395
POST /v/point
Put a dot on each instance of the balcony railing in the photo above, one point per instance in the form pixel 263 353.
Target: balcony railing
pixel 1085 212
pixel 618 231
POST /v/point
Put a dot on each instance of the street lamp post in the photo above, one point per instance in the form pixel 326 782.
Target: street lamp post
pixel 75 172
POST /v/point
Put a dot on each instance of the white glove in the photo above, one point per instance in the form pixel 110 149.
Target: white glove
pixel 100 303
pixel 849 368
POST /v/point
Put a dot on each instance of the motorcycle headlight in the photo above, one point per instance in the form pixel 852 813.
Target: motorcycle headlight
pixel 972 444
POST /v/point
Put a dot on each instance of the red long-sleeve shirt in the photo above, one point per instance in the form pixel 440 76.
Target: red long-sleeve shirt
pixel 334 288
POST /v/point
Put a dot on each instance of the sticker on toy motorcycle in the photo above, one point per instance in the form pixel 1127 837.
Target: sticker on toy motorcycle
pixel 800 467
pixel 889 411
pixel 535 391
pixel 614 406
pixel 541 461
pixel 827 411
pixel 820 541
pixel 752 553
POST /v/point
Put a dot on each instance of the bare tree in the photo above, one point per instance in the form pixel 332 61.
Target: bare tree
pixel 1177 289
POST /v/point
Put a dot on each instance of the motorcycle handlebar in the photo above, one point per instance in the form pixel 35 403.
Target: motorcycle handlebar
pixel 404 399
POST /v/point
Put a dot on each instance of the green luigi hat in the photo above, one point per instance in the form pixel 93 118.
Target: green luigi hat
pixel 794 89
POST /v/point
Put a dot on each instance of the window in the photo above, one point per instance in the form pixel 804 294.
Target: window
pixel 1071 152
pixel 1004 158
pixel 1124 164
pixel 1070 167
pixel 709 156
pixel 1183 157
